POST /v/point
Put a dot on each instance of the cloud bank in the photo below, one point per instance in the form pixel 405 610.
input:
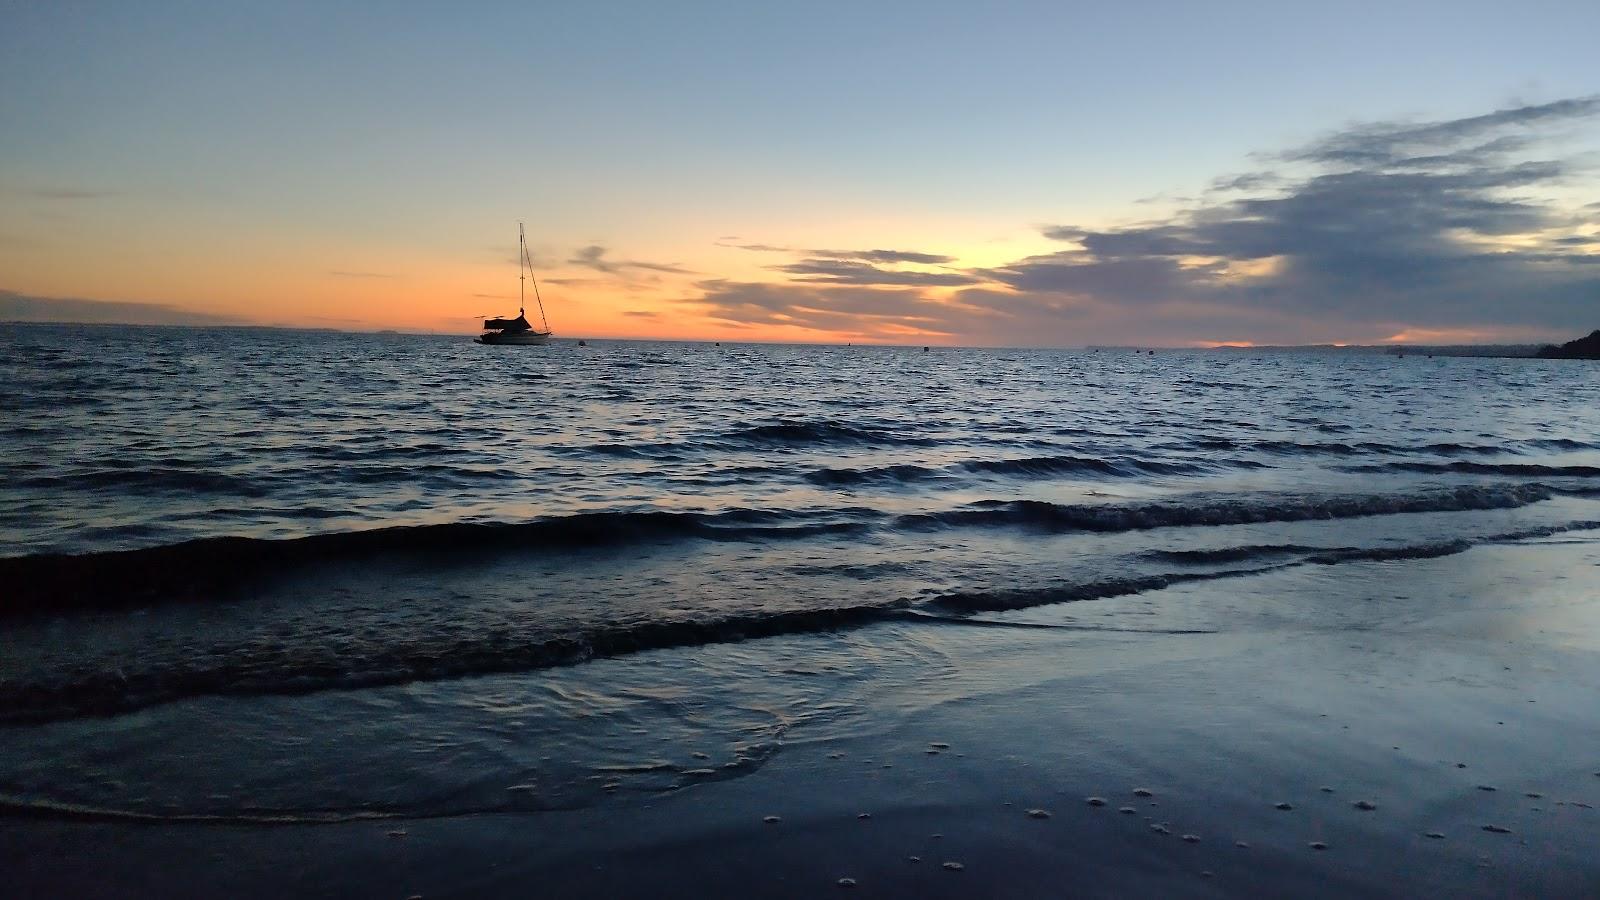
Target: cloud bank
pixel 1456 229
pixel 15 307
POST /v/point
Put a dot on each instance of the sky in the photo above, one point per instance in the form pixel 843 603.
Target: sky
pixel 1017 174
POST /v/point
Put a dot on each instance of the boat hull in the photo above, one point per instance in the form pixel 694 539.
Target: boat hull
pixel 513 339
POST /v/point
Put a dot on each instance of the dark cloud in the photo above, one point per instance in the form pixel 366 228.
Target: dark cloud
pixel 1443 227
pixel 1393 223
pixel 594 257
pixel 15 307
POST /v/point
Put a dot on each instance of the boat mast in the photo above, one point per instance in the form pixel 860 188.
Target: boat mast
pixel 522 280
pixel 527 259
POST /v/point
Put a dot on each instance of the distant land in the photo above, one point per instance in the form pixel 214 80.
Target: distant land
pixel 1582 348
pixel 1515 351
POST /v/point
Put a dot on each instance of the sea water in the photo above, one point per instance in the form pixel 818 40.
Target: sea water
pixel 255 574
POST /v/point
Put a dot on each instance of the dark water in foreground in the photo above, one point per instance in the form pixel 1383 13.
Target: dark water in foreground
pixel 424 533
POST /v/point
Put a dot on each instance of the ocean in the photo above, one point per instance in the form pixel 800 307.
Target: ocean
pixel 276 576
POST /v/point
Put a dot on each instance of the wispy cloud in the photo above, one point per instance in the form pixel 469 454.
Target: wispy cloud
pixel 735 244
pixel 854 310
pixel 845 271
pixel 342 273
pixel 873 256
pixel 65 193
pixel 594 257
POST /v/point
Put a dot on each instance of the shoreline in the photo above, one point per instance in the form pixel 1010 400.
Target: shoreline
pixel 1220 727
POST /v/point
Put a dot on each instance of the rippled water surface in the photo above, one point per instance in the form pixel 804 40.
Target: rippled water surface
pixel 338 528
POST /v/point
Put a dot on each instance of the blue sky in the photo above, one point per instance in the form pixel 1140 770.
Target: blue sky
pixel 172 140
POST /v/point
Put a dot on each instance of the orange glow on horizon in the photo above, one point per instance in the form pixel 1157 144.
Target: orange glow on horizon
pixel 1510 335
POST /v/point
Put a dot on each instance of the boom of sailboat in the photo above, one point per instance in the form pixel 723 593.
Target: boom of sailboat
pixel 518 332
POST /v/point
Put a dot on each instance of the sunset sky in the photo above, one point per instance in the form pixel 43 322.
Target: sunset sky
pixel 1011 173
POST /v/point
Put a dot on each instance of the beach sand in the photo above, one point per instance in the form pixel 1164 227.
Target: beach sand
pixel 1413 688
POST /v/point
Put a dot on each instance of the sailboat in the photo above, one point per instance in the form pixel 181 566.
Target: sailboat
pixel 518 332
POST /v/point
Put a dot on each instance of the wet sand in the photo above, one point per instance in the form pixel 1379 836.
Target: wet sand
pixel 1379 703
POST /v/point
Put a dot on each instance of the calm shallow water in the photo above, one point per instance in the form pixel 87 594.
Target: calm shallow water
pixel 517 510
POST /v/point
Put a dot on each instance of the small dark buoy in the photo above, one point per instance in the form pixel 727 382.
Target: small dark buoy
pixel 719 343
pixel 583 343
pixel 924 349
pixel 1152 353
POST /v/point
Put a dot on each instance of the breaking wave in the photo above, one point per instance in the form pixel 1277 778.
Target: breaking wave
pixel 58 582
pixel 376 661
pixel 1054 517
pixel 197 569
pixel 1464 467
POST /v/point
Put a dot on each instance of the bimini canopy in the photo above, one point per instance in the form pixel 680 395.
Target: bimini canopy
pixel 520 323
